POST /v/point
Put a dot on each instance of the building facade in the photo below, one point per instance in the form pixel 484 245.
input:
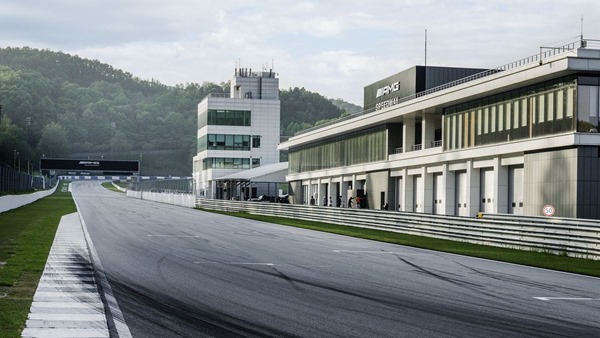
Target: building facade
pixel 518 139
pixel 236 132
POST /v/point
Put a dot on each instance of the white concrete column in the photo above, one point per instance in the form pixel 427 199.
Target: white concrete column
pixel 427 191
pixel 343 192
pixel 409 196
pixel 322 191
pixel 408 133
pixel 330 193
pixel 473 191
pixel 450 191
pixel 427 130
pixel 501 191
pixel 401 186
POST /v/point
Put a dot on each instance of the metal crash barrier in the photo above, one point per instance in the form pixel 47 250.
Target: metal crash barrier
pixel 572 237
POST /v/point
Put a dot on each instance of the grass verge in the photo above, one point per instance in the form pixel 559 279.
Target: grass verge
pixel 529 258
pixel 26 236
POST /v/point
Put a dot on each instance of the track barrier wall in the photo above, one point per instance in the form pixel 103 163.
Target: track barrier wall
pixel 572 237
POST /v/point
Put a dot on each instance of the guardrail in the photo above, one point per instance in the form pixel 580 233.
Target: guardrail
pixel 13 181
pixel 571 237
pixel 10 202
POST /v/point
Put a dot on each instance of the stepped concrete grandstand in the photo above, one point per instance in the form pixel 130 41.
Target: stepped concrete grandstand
pixel 518 139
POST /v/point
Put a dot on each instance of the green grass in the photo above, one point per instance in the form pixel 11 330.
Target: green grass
pixel 110 186
pixel 530 258
pixel 26 235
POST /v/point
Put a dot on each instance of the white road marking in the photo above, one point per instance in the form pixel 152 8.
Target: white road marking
pixel 67 296
pixel 364 251
pixel 117 315
pixel 235 263
pixel 175 236
pixel 565 298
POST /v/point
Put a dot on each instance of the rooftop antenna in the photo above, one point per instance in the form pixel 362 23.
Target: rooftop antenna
pixel 425 76
pixel 583 43
pixel 425 47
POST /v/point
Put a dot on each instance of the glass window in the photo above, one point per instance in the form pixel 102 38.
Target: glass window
pixel 202 143
pixel 569 109
pixel 229 142
pixel 486 120
pixel 542 109
pixel 202 120
pixel 237 142
pixel 256 141
pixel 500 117
pixel 459 130
pixel 220 142
pixel 237 163
pixel 516 111
pixel 587 109
pixel 479 122
pixel 560 104
pixel 229 117
pixel 368 145
pixel 524 112
pixel 508 115
pixel 245 142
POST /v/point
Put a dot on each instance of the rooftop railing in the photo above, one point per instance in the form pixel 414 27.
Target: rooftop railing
pixel 218 95
pixel 545 53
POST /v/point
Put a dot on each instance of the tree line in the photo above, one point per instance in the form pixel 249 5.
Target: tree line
pixel 58 105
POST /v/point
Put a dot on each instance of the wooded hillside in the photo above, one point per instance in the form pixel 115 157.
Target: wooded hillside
pixel 59 105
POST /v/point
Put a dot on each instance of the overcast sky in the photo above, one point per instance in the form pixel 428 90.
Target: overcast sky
pixel 332 47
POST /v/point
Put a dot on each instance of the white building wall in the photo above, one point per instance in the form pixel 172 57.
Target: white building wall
pixel 265 122
pixel 549 176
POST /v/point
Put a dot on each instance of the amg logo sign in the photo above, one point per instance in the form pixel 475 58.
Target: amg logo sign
pixel 388 89
pixel 89 163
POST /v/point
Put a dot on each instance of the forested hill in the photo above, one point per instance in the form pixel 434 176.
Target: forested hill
pixel 61 105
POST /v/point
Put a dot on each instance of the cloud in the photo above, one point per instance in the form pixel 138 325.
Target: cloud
pixel 333 47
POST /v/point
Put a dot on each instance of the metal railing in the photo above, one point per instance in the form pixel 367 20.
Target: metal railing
pixel 416 147
pixel 226 95
pixel 175 186
pixel 545 52
pixel 13 181
pixel 572 237
pixel 436 144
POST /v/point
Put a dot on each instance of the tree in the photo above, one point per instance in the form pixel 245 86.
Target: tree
pixel 12 139
pixel 54 141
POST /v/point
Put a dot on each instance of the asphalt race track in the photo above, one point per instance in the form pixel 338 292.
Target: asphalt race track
pixel 183 272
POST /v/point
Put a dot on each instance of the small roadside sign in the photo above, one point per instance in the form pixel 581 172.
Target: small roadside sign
pixel 548 210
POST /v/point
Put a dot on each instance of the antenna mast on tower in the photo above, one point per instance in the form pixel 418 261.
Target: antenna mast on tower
pixel 425 47
pixel 581 26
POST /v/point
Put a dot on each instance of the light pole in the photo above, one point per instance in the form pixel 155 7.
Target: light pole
pixel 140 169
pixel 27 125
pixel 113 125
